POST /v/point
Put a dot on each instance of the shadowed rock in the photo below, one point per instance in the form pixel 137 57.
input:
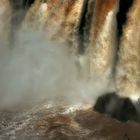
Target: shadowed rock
pixel 124 6
pixel 117 107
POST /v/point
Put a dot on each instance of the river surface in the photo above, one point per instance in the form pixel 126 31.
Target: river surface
pixel 47 120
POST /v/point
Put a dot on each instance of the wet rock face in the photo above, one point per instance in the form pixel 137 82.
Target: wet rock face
pixel 21 3
pixel 124 6
pixel 117 107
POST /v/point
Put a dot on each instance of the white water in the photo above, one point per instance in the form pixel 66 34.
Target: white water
pixel 128 68
pixel 37 67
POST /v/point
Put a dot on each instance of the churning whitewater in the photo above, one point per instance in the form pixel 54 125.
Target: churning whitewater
pixel 68 48
pixel 66 63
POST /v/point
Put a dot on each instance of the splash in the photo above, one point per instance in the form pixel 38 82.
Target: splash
pixel 44 60
pixel 127 76
pixel 37 67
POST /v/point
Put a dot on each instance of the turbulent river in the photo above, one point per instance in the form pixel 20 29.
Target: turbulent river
pixel 57 57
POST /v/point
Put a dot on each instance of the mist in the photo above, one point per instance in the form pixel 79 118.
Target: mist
pixel 33 67
pixel 36 67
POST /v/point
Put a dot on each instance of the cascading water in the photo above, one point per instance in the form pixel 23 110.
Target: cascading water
pixel 103 44
pixel 89 30
pixel 5 18
pixel 127 77
pixel 67 51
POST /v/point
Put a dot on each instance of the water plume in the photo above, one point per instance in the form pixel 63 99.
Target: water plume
pixel 38 68
pixel 127 77
pixel 101 52
pixel 44 60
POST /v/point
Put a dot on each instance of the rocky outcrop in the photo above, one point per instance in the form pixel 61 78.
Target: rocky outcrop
pixel 120 108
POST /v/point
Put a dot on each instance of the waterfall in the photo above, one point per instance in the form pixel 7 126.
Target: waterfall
pixel 57 17
pixel 128 67
pixel 5 18
pixel 102 41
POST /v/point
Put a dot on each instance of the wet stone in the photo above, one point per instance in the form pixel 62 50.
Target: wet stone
pixel 117 107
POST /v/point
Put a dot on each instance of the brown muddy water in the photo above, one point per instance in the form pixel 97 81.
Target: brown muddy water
pixel 48 121
pixel 57 57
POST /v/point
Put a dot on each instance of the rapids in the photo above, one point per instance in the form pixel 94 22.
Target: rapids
pixel 57 57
